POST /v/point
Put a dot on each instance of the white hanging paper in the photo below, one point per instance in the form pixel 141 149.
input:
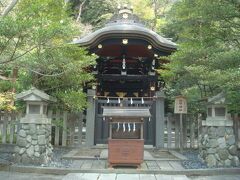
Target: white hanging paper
pixel 129 127
pixel 149 119
pixel 131 101
pixel 119 101
pixel 107 100
pixel 124 128
pixel 118 126
pixel 142 101
pixel 134 127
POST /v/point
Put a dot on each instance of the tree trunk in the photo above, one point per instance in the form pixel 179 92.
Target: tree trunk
pixel 9 8
pixel 80 11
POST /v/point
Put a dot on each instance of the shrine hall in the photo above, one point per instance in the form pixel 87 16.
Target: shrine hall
pixel 127 101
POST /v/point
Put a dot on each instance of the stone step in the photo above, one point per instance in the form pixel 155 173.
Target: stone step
pixel 113 176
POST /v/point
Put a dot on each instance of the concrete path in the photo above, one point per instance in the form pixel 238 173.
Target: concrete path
pixel 146 165
pixel 96 176
pixel 224 177
pixel 147 155
pixel 4 175
pixel 86 153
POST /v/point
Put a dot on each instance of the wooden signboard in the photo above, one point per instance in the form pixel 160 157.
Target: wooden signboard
pixel 181 108
pixel 180 105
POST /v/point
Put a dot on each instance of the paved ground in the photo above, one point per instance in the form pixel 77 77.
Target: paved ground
pixel 149 154
pixel 31 176
pixel 146 165
pixel 225 177
pixel 95 176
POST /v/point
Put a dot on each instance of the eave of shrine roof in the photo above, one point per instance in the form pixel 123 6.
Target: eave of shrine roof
pixel 126 30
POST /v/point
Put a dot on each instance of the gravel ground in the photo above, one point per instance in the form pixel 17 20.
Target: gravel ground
pixel 193 161
pixel 7 158
pixel 57 160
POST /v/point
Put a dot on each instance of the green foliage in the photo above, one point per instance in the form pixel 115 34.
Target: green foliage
pixel 233 103
pixel 35 39
pixel 97 12
pixel 5 101
pixel 94 12
pixel 207 60
pixel 76 100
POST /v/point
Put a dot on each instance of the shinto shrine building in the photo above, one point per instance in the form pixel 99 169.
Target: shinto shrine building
pixel 129 55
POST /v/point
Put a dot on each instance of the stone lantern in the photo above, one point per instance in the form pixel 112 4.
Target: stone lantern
pixel 217 114
pixel 33 140
pixel 217 141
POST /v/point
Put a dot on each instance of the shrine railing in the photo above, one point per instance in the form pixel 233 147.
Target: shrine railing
pixel 67 128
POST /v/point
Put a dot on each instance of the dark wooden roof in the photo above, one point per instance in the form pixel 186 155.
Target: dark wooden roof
pixel 126 112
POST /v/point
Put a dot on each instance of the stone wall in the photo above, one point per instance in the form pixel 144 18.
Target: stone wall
pixel 218 147
pixel 33 144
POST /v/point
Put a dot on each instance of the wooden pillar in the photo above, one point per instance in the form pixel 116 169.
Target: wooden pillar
pixel 199 127
pixel 192 132
pixel 64 133
pixel 57 129
pixel 4 129
pixel 50 116
pixel 169 130
pixel 90 123
pixel 177 130
pixel 181 133
pixel 12 121
pixel 185 127
pixel 80 127
pixel 235 128
pixel 159 139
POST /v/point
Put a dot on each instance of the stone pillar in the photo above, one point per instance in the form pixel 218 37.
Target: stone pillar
pixel 217 144
pixel 33 141
pixel 159 139
pixel 90 123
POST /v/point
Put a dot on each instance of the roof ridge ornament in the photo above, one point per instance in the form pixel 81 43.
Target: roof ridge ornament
pixel 125 11
pixel 125 8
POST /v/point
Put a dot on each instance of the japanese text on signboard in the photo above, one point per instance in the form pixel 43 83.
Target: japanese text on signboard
pixel 180 105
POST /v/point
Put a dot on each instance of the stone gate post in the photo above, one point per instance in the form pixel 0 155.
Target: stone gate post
pixel 90 123
pixel 159 139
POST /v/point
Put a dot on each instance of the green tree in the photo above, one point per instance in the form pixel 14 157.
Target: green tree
pixel 207 60
pixel 35 49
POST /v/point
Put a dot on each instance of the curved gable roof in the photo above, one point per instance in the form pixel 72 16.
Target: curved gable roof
pixel 126 28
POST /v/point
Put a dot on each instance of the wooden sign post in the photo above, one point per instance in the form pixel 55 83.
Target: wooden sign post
pixel 180 108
